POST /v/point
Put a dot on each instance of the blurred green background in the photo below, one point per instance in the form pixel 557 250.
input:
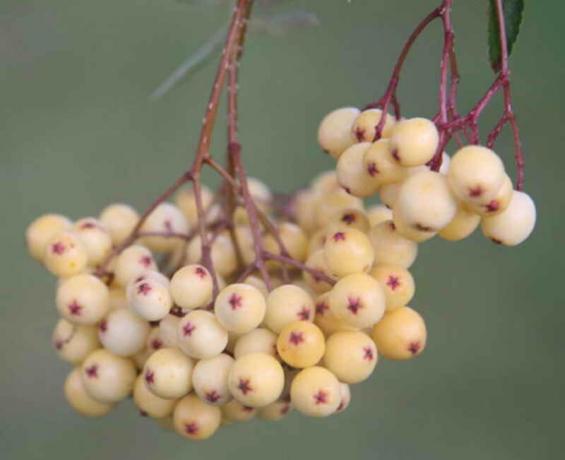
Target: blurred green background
pixel 77 131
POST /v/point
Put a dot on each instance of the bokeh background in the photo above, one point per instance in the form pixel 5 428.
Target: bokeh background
pixel 77 131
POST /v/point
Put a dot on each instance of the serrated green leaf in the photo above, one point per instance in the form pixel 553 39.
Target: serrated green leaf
pixel 513 14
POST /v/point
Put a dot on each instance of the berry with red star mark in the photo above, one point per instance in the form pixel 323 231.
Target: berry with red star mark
pixel 200 272
pixel 368 354
pixel 235 301
pixel 75 308
pixel 414 347
pixel 149 377
pixel 191 428
pixel 188 329
pixel 372 169
pixel 144 288
pixel 58 248
pixel 338 236
pixel 492 206
pixel 304 314
pixel 354 304
pixel 244 386
pixel 296 338
pixel 156 344
pixel 103 326
pixel 322 308
pixel 145 261
pixel 92 371
pixel 348 218
pixel 212 396
pixel 321 397
pixel 359 133
pixel 393 282
pixel 476 192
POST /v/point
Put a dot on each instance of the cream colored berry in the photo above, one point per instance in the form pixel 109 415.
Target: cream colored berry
pixel 41 230
pixel 168 373
pixel 513 225
pixel 167 219
pixel 80 400
pixel 461 226
pixel 258 283
pixel 390 247
pixel 195 419
pixel 325 182
pixel 234 411
pixel 244 239
pixel 351 218
pixel 475 174
pixel 326 320
pixel 191 287
pixel 380 166
pixel 83 299
pixel 498 204
pixel 187 203
pixel 345 391
pixel 315 392
pixel 132 263
pixel 317 261
pixel 348 251
pixel 256 379
pixel 260 192
pixel 106 377
pixel 365 126
pixel 223 254
pixel 119 220
pixel 286 304
pixel 201 336
pixel 74 342
pixel 259 340
pixel 303 205
pixel 240 308
pixel 358 299
pixel 301 344
pixel 351 356
pixel 65 255
pixel 351 172
pixel 275 411
pixel 149 298
pixel 377 214
pixel 123 332
pixel 414 141
pixel 168 328
pixel 118 298
pixel 334 132
pixel 410 232
pixel 149 403
pixel 210 379
pixel 397 283
pixel 293 238
pixel 401 334
pixel 332 204
pixel 388 193
pixel 95 238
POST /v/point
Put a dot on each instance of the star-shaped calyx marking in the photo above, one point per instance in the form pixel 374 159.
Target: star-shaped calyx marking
pixel 296 338
pixel 149 377
pixel 144 288
pixel 103 326
pixel 354 304
pixel 414 347
pixel 320 397
pixel 359 134
pixel 212 396
pixel 338 236
pixel 58 248
pixel 304 314
pixel 75 309
pixel 145 261
pixel 92 371
pixel 393 282
pixel 321 308
pixel 368 354
pixel 200 272
pixel 372 169
pixel 235 301
pixel 188 329
pixel 191 428
pixel 476 191
pixel 244 386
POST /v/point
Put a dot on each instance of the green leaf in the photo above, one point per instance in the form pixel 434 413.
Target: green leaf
pixel 513 13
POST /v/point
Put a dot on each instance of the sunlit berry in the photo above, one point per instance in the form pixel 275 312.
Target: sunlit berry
pixel 286 304
pixel 351 356
pixel 258 340
pixel 348 251
pixel 364 128
pixel 95 239
pixel 234 411
pixel 351 172
pixel 240 308
pixel 191 287
pixel 414 141
pixel 379 165
pixel 326 320
pixel 315 392
pixel 293 239
pixel 132 263
pixel 332 204
pixel 149 403
pixel 165 219
pixel 149 298
pixel 461 226
pixel 496 205
pixel 377 214
pixel 301 344
pixel 317 261
pixel 65 255
pixel 397 283
pixel 222 253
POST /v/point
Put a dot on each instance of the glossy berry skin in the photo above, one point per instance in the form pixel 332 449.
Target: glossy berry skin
pixel 210 379
pixel 390 247
pixel 286 304
pixel 358 299
pixel 301 344
pixel 401 334
pixel 74 342
pixel 201 336
pixel 365 126
pixel 259 340
pixel 256 379
pixel 414 141
pixel 119 220
pixel 351 172
pixel 106 377
pixel 397 283
pixel 132 263
pixel 351 356
pixel 194 419
pixel 149 403
pixel 168 373
pixel 315 392
pixel 80 400
pixel 348 251
pixel 240 308
pixel 191 287
pixel 83 299
pixel 65 255
pixel 334 132
pixel 123 332
pixel 41 230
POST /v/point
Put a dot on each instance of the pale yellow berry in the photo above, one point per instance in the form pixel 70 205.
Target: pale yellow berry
pixel 414 141
pixel 168 328
pixel 41 230
pixel 325 182
pixel 234 411
pixel 365 126
pixel 132 263
pixel 258 283
pixel 83 299
pixel 168 373
pixel 123 332
pixel 191 287
pixel 317 239
pixel 244 239
pixel 425 202
pixel 390 247
pixel 351 172
pixel 410 232
pixel 388 193
pixel 187 203
pixel 286 304
pixel 154 342
pixel 345 397
pixel 74 342
pixel 256 379
pixel 222 252
pixel 317 261
pixel 210 379
pixel 334 132
pixel 332 204
pixel 380 166
pixel 475 174
pixel 461 226
pixel 293 239
pixel 149 403
pixel 95 238
pixel 168 219
pixel 315 392
pixel 196 420
pixel 513 225
pixel 119 220
pixel 377 214
pixel 106 377
pixel 498 204
pixel 326 320
pixel 65 255
pixel 358 299
pixel 348 251
pixel 351 356
pixel 401 334
pixel 260 192
pixel 275 411
pixel 240 308
pixel 149 297
pixel 79 399
pixel 350 218
pixel 397 283
pixel 301 344
pixel 201 336
pixel 257 341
